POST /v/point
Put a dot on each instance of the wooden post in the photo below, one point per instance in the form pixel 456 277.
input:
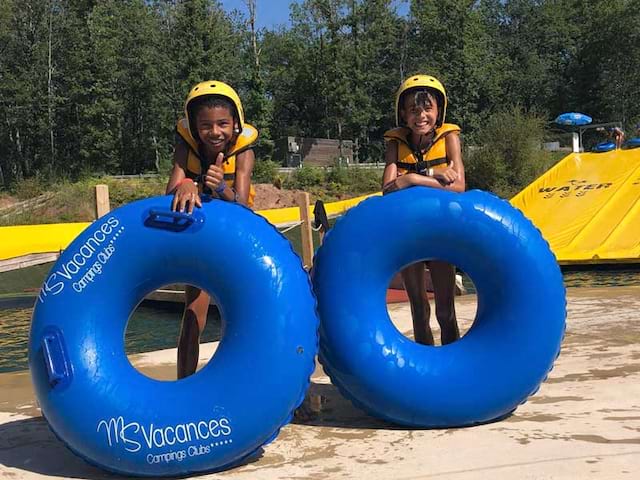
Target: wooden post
pixel 302 199
pixel 102 200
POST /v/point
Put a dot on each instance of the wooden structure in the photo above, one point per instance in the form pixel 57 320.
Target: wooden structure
pixel 320 152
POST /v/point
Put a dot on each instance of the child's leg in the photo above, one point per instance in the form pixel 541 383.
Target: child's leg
pixel 414 284
pixel 193 322
pixel 443 277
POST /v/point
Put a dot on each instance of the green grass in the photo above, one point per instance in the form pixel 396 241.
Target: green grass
pixel 74 201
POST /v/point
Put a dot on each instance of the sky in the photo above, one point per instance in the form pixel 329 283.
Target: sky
pixel 272 13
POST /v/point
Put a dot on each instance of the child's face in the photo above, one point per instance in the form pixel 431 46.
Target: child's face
pixel 420 117
pixel 215 127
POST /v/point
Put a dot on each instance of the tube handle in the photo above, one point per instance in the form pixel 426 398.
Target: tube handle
pixel 169 220
pixel 55 358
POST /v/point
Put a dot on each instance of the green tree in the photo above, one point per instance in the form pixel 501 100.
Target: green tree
pixel 510 157
pixel 334 73
pixel 125 37
pixel 285 81
pixel 538 39
pixel 203 43
pixel 258 108
pixel 74 80
pixel 450 39
pixel 25 100
pixel 603 73
pixel 373 57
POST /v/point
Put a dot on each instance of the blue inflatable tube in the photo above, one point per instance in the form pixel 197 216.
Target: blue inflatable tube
pixel 632 143
pixel 505 355
pixel 116 417
pixel 604 147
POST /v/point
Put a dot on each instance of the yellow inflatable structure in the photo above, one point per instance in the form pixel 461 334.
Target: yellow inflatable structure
pixel 588 207
pixel 22 240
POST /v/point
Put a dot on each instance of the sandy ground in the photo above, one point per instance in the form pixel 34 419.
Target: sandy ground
pixel 583 423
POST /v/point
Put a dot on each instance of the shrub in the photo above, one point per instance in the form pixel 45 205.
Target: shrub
pixel 336 180
pixel 122 192
pixel 30 187
pixel 265 171
pixel 306 177
pixel 509 157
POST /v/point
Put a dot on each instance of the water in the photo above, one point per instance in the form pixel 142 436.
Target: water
pixel 625 277
pixel 156 327
pixel 150 328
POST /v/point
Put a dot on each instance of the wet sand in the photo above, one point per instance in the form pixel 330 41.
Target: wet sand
pixel 584 422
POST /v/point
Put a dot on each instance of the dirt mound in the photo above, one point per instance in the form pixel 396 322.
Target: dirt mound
pixel 7 201
pixel 268 196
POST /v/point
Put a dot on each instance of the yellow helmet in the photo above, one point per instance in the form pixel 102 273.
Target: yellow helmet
pixel 426 82
pixel 213 87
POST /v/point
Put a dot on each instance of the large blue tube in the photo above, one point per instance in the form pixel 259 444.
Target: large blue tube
pixel 116 417
pixel 502 359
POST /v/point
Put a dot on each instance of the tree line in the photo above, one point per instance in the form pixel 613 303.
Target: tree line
pixel 91 86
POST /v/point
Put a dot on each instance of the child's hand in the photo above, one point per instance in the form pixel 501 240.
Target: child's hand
pixel 215 173
pixel 446 176
pixel 401 182
pixel 185 197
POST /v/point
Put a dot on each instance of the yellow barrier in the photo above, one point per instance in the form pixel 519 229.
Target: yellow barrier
pixel 23 240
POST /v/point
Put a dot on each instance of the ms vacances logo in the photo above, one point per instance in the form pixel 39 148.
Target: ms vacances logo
pixel 86 263
pixel 167 443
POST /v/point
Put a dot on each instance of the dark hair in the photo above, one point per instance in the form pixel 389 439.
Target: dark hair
pixel 423 97
pixel 209 101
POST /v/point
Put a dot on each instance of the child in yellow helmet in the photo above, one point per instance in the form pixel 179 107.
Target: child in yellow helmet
pixel 425 151
pixel 212 155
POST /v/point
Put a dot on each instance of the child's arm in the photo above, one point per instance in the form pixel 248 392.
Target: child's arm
pixel 452 178
pixel 242 183
pixel 390 180
pixel 185 191
pixel 391 169
pixel 244 169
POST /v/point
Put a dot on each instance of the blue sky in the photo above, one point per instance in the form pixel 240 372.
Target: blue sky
pixel 272 13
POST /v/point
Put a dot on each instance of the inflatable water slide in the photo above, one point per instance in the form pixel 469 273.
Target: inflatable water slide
pixel 588 207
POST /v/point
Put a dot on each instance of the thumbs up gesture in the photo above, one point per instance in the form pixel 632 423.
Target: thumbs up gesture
pixel 215 174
